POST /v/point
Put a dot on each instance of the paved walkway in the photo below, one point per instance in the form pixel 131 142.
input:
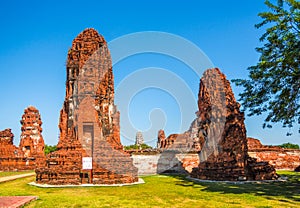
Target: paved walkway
pixel 14 177
pixel 15 201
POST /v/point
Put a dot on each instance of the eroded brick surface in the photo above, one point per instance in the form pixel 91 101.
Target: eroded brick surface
pixel 222 134
pixel 10 155
pixel 219 135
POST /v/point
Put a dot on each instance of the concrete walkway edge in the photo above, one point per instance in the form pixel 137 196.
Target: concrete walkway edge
pixel 14 177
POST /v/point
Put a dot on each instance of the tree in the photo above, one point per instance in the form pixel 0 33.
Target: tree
pixel 289 146
pixel 48 149
pixel 274 81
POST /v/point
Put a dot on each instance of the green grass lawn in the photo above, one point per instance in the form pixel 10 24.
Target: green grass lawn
pixel 3 174
pixel 164 191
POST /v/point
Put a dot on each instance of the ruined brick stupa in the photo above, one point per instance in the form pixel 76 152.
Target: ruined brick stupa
pixel 89 121
pixel 220 132
pixel 32 142
pixel 219 135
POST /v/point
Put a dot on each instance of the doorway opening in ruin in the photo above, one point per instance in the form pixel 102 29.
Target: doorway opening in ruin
pixel 86 177
pixel 88 138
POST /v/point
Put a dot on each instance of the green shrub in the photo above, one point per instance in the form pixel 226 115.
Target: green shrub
pixel 135 146
pixel 289 146
pixel 48 149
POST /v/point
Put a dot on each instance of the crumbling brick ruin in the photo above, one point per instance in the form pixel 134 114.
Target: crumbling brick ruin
pixel 89 121
pixel 280 158
pixel 32 142
pixel 175 142
pixel 30 152
pixel 10 156
pixel 221 133
pixel 163 142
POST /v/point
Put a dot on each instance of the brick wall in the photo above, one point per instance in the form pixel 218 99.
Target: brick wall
pixel 281 159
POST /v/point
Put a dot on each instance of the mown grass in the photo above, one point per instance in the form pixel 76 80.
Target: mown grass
pixel 164 191
pixel 3 174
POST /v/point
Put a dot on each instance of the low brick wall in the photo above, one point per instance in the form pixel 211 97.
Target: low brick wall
pixel 166 161
pixel 282 159
pixel 149 164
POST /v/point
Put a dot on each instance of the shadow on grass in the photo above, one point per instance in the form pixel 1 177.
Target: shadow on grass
pixel 288 191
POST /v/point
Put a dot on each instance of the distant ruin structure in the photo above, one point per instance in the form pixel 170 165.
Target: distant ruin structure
pixel 30 152
pixel 139 139
pixel 170 141
pixel 89 147
pixel 32 142
pixel 161 139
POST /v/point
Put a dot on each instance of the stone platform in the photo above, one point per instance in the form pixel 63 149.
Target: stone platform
pixel 140 181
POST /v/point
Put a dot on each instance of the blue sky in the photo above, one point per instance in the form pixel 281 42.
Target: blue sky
pixel 36 35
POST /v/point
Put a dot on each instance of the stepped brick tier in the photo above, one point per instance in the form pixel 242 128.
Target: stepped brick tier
pixel 30 152
pixel 89 121
pixel 280 158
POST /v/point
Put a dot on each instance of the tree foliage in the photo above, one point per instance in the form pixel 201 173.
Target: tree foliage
pixel 274 81
pixel 135 146
pixel 48 149
pixel 289 146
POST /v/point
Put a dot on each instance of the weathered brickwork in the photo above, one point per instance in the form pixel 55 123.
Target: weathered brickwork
pixel 280 158
pixel 221 134
pixel 89 121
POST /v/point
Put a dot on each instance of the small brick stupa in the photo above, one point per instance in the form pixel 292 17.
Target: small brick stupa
pixel 89 121
pixel 32 142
